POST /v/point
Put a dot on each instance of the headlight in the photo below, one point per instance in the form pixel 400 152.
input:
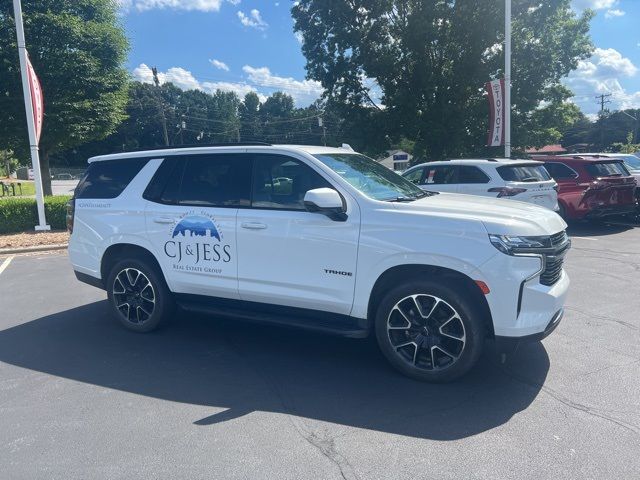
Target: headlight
pixel 513 245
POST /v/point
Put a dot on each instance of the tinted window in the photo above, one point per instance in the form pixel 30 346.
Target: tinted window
pixel 210 181
pixel 282 182
pixel 108 179
pixel 414 176
pixel 169 169
pixel 560 171
pixel 523 173
pixel 443 175
pixel 607 169
pixel 468 174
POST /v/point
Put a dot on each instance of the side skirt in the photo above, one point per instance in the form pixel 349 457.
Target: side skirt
pixel 307 319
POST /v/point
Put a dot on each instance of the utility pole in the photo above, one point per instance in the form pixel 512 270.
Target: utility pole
pixel 324 131
pixel 165 132
pixel 603 100
pixel 507 79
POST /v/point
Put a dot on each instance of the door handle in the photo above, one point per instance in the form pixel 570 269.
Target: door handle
pixel 164 220
pixel 253 225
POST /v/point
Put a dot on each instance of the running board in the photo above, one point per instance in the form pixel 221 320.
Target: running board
pixel 306 319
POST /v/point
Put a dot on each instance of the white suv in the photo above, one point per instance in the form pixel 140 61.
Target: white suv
pixel 320 238
pixel 523 180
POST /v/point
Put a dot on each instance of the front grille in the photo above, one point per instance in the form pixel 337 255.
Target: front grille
pixel 553 262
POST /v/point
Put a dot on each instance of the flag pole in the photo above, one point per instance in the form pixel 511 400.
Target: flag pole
pixel 507 79
pixel 28 105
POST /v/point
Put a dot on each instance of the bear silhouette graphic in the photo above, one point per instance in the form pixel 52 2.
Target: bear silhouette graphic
pixel 196 226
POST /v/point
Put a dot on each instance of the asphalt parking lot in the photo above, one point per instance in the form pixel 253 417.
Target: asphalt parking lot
pixel 80 397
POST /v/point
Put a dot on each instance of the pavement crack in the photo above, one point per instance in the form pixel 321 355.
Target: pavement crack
pixel 604 318
pixel 592 411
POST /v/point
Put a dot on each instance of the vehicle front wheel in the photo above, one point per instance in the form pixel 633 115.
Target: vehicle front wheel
pixel 429 330
pixel 138 295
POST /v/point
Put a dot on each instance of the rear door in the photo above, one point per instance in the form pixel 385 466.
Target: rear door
pixel 191 215
pixel 473 181
pixel 533 178
pixel 440 178
pixel 569 190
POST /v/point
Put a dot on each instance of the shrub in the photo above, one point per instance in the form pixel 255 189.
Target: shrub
pixel 21 214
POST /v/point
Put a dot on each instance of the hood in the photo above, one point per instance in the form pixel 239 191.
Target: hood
pixel 499 216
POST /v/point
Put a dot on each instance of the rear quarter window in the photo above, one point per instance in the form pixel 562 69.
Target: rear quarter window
pixel 523 173
pixel 108 178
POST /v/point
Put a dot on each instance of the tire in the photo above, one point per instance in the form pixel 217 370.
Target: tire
pixel 429 331
pixel 138 295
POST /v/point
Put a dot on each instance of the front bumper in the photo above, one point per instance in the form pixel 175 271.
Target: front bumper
pixel 510 344
pixel 520 305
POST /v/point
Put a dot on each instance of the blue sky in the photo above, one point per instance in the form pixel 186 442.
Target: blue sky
pixel 244 45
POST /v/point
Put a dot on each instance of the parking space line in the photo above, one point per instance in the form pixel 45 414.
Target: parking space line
pixel 5 264
pixel 585 238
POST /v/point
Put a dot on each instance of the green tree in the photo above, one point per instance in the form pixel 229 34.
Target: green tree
pixel 77 48
pixel 250 128
pixel 430 61
pixel 628 147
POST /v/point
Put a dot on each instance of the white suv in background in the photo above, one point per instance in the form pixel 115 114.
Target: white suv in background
pixel 319 238
pixel 523 180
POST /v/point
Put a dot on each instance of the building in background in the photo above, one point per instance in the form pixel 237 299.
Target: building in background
pixel 547 150
pixel 397 160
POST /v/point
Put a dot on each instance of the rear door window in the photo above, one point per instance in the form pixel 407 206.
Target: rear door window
pixel 523 173
pixel 441 175
pixel 108 178
pixel 560 171
pixel 607 169
pixel 219 180
pixel 469 174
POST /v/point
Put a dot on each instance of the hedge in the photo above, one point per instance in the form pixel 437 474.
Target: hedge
pixel 21 214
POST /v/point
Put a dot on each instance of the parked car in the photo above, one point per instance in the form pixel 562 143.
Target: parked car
pixel 632 162
pixel 591 187
pixel 523 180
pixel 350 248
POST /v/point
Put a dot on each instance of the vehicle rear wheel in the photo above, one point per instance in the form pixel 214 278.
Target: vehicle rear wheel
pixel 138 295
pixel 429 331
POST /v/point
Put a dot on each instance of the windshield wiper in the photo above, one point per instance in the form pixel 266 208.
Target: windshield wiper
pixel 403 198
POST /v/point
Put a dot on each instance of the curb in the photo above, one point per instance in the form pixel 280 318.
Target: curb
pixel 39 248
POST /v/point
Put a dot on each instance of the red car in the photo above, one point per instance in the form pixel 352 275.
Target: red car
pixel 590 188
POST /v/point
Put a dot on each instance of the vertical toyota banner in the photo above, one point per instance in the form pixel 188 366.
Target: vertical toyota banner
pixel 496 113
pixel 37 99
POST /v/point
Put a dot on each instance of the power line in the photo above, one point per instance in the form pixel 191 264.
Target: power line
pixel 603 100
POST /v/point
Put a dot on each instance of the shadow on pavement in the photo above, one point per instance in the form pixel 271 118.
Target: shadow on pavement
pixel 242 368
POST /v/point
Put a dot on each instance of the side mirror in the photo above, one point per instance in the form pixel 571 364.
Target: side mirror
pixel 326 201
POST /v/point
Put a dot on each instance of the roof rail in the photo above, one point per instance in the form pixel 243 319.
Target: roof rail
pixel 200 145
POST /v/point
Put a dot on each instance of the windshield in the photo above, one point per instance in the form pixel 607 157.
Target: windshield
pixel 524 173
pixel 607 169
pixel 368 176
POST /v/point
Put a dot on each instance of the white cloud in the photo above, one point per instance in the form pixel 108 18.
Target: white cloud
pixel 594 4
pixel 259 80
pixel 198 5
pixel 253 20
pixel 219 65
pixel 602 74
pixel 614 13
pixel 302 91
pixel 299 37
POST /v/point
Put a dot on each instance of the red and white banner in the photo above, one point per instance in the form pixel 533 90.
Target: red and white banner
pixel 496 113
pixel 37 100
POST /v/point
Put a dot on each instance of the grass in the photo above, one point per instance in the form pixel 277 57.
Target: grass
pixel 28 188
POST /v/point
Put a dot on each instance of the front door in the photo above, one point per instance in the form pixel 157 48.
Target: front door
pixel 191 222
pixel 287 255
